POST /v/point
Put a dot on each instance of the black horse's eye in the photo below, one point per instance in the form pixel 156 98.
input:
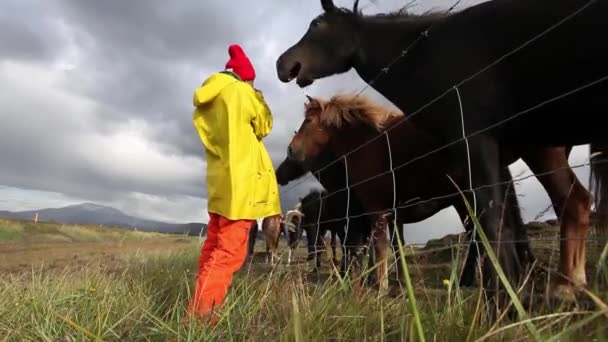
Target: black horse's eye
pixel 315 23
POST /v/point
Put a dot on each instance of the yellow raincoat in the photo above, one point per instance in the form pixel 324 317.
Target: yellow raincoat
pixel 231 118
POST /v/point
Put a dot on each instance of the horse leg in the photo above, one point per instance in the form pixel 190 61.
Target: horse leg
pixel 572 204
pixel 276 237
pixel 265 228
pixel 467 277
pixel 395 229
pixel 343 260
pixel 272 230
pixel 380 242
pixel 334 246
pixel 353 257
pixel 253 231
pixel 319 250
pixel 598 185
pixel 268 255
pixel 512 219
pixel 485 168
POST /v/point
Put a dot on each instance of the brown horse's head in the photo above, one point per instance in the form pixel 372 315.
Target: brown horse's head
pixel 312 136
pixel 338 117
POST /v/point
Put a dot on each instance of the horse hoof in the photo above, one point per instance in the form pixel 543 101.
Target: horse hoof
pixel 315 271
pixel 563 292
pixel 467 282
pixel 383 287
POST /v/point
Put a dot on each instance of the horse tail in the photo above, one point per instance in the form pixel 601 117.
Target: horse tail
pixel 598 186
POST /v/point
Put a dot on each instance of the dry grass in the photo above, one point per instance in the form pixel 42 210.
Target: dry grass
pixel 145 300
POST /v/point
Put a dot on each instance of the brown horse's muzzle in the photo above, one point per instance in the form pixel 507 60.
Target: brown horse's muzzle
pixel 294 153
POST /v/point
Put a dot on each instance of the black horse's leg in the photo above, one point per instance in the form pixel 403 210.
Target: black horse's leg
pixel 489 195
pixel 355 248
pixel 512 220
pixel 318 249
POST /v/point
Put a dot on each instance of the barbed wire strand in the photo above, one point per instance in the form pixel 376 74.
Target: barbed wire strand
pixel 442 197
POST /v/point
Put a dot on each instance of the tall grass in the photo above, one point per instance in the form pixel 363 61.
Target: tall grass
pixel 147 300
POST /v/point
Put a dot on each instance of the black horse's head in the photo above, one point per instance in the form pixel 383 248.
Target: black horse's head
pixel 289 170
pixel 328 47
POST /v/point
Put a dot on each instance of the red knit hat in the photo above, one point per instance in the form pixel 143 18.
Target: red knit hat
pixel 240 64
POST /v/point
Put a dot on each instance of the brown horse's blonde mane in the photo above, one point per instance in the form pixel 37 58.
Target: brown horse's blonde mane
pixel 350 109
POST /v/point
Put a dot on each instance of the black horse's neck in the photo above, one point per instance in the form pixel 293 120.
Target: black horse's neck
pixel 380 45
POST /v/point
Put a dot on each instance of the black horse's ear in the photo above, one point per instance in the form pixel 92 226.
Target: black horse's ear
pixel 328 5
pixel 356 7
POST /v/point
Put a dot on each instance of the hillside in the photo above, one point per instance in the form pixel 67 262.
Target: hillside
pixel 89 213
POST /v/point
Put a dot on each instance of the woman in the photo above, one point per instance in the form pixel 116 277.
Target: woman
pixel 231 118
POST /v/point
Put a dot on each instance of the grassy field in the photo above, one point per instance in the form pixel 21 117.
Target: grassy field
pixel 140 295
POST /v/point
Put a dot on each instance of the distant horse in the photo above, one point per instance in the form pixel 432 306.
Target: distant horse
pixel 271 226
pixel 317 222
pixel 498 73
pixel 292 229
pixel 354 232
pixel 344 123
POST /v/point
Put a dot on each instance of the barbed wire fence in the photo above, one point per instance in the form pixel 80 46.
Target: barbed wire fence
pixel 464 139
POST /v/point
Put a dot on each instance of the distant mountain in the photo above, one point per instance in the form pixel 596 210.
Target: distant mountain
pixel 89 213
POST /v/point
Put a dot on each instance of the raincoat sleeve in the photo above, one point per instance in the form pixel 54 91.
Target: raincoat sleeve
pixel 262 117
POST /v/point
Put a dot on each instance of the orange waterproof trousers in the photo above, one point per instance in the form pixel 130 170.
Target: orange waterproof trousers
pixel 223 253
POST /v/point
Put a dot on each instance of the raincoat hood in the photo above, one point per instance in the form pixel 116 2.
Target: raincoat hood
pixel 213 86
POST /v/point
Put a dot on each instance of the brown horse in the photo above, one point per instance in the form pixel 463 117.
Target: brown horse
pixel 382 175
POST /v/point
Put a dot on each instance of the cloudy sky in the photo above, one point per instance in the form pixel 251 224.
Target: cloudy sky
pixel 96 100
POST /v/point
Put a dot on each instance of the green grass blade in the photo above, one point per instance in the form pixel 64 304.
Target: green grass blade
pixel 410 288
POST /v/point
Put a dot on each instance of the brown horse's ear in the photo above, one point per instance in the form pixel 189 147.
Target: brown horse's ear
pixel 328 5
pixel 312 102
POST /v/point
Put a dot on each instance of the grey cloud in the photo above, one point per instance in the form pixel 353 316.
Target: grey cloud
pixel 145 61
pixel 27 34
pixel 141 61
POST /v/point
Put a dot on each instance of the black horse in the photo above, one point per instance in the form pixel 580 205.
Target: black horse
pixel 499 73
